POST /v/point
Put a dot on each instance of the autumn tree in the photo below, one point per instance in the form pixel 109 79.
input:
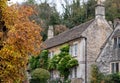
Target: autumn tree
pixel 19 38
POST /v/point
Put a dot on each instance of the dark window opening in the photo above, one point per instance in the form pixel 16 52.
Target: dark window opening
pixel 115 67
pixel 119 42
pixel 115 42
pixel 75 71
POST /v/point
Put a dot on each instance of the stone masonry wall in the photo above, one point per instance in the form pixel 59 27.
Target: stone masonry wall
pixel 96 34
pixel 108 54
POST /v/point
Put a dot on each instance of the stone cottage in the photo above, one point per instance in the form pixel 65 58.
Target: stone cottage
pixel 88 44
pixel 108 59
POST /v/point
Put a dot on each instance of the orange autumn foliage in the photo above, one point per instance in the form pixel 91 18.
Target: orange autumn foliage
pixel 21 38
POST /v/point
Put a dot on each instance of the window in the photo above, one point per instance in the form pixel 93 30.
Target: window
pixel 117 42
pixel 74 49
pixel 70 50
pixel 70 75
pixel 51 74
pixel 75 72
pixel 51 54
pixel 114 67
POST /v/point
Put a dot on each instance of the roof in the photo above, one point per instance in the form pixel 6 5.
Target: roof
pixel 117 33
pixel 67 35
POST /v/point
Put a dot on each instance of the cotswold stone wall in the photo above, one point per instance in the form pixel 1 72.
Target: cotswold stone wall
pixel 108 54
pixel 96 34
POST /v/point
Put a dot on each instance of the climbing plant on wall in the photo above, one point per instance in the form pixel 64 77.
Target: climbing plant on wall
pixel 63 62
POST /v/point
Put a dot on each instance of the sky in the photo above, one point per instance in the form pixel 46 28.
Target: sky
pixel 58 2
pixel 52 2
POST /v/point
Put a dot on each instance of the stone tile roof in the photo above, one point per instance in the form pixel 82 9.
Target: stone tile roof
pixel 117 33
pixel 68 35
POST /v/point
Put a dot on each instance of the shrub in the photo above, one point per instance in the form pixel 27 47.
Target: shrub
pixel 40 75
pixel 112 78
pixel 40 61
pixel 96 76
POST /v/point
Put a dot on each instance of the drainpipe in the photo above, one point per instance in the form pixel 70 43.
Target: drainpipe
pixel 85 59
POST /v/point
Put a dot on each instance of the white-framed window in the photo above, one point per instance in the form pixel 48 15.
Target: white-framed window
pixel 73 72
pixel 51 54
pixel 115 67
pixel 74 49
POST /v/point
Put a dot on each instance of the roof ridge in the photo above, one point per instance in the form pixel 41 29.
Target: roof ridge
pixel 72 28
pixel 68 35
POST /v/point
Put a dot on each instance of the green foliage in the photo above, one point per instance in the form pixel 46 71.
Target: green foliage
pixel 65 48
pixel 96 76
pixel 40 75
pixel 34 62
pixel 40 61
pixel 62 66
pixel 63 61
pixel 53 62
pixel 90 9
pixel 112 78
pixel 112 9
pixel 72 63
pixel 44 59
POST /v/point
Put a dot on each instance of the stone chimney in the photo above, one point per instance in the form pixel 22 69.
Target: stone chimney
pixel 100 9
pixel 50 32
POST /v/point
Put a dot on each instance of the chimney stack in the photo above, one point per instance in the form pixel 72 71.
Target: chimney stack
pixel 50 32
pixel 100 9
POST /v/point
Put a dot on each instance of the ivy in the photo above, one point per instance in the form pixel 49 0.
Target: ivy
pixel 40 61
pixel 72 63
pixel 63 62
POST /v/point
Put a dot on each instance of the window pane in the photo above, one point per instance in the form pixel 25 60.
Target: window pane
pixel 70 50
pixel 119 42
pixel 76 47
pixel 117 67
pixel 115 42
pixel 70 73
pixel 75 71
pixel 112 67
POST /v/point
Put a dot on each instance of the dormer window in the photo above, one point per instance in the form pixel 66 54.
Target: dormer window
pixel 117 42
